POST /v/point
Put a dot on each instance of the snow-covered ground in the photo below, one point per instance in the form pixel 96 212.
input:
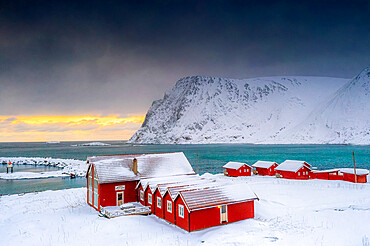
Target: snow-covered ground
pixel 91 144
pixel 289 212
pixel 31 175
pixel 69 166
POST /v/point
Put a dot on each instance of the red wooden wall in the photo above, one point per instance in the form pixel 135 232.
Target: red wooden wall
pixel 158 210
pixel 108 194
pixel 294 175
pixel 181 222
pixel 170 217
pixel 243 171
pixel 204 218
pixel 351 178
pixel 267 171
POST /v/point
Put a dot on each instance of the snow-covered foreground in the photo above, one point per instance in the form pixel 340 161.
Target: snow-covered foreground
pixel 290 212
pixel 69 166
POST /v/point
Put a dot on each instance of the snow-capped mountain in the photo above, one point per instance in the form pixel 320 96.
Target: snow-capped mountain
pixel 343 119
pixel 261 110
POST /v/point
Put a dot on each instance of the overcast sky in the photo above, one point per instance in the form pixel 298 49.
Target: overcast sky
pixel 108 57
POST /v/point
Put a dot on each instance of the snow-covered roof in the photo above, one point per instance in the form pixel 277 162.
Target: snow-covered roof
pixel 264 164
pixel 351 171
pixel 234 165
pixel 174 190
pixel 154 182
pixel 292 166
pixel 325 171
pixel 210 197
pixel 153 185
pixel 163 188
pixel 116 168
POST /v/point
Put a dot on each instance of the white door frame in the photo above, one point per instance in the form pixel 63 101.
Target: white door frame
pixel 123 197
pixel 226 212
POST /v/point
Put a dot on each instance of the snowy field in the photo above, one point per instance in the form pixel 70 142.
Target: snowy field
pixel 289 212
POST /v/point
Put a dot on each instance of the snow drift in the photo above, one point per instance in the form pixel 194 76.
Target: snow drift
pixel 261 110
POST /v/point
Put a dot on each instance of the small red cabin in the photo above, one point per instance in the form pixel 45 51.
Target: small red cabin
pixel 202 208
pixel 265 167
pixel 349 175
pixel 332 174
pixel 112 180
pixel 236 169
pixel 293 170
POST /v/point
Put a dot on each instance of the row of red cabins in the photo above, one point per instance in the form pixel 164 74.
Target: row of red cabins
pixel 168 184
pixel 290 169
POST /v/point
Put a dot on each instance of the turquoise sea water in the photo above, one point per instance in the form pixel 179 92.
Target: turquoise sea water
pixel 204 158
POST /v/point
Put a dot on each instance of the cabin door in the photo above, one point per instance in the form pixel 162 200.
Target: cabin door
pixel 223 212
pixel 119 198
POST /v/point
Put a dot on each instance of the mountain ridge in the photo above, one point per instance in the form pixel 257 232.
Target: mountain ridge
pixel 264 110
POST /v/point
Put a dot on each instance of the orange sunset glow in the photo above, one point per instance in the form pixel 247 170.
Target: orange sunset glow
pixel 67 127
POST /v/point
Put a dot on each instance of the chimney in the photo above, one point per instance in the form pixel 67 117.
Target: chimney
pixel 134 167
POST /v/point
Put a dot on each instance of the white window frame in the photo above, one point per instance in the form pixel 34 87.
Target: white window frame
pixel 159 202
pixel 299 173
pixel 150 198
pixel 169 206
pixel 244 170
pixel 181 211
pixel 142 195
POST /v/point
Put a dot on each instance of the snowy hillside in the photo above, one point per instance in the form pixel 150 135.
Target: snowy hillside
pixel 345 118
pixel 260 110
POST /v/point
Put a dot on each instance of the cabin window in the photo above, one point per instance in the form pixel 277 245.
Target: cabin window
pixel 159 201
pixel 244 170
pixel 169 206
pixel 142 195
pixel 240 171
pixel 299 173
pixel 181 211
pixel 149 198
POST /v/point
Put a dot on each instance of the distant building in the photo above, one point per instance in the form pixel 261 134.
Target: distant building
pixel 293 170
pixel 236 169
pixel 349 175
pixel 332 174
pixel 265 167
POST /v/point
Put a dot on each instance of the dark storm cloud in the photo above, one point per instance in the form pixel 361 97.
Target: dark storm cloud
pixel 105 57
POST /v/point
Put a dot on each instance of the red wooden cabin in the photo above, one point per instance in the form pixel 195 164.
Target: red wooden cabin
pixel 332 174
pixel 293 169
pixel 265 167
pixel 349 175
pixel 236 169
pixel 202 208
pixel 112 179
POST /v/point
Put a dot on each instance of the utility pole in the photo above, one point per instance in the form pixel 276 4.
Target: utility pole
pixel 354 166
